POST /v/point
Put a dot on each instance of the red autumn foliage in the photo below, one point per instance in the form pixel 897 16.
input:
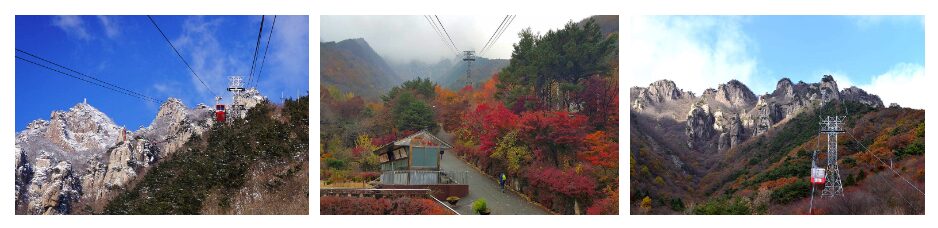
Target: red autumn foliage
pixel 333 205
pixel 357 151
pixel 489 122
pixel 449 108
pixel 388 138
pixel 526 103
pixel 605 206
pixel 550 133
pixel 486 93
pixel 466 89
pixel 568 182
pixel 367 176
pixel 600 101
pixel 600 150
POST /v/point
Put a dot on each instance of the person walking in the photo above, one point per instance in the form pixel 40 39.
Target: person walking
pixel 502 179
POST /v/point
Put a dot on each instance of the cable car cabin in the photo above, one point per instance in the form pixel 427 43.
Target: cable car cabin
pixel 220 113
pixel 818 176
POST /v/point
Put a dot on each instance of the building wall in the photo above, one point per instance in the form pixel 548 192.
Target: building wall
pixel 425 158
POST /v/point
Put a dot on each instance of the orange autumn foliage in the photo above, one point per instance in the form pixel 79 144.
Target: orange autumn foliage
pixel 778 182
pixel 600 150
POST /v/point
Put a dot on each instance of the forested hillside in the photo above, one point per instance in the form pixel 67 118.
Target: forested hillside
pixel 255 165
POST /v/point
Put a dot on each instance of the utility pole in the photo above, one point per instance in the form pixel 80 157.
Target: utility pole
pixel 469 58
pixel 832 125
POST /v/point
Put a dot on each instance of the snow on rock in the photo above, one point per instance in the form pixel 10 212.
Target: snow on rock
pixel 175 124
pixel 24 172
pixel 81 154
pixel 54 188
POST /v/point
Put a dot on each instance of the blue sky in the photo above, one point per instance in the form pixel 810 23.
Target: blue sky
pixel 884 55
pixel 129 52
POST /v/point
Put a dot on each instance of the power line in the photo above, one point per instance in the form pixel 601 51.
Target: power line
pixel 884 164
pixel 79 73
pixel 257 45
pixel 888 183
pixel 440 34
pixel 180 55
pixel 265 50
pixel 444 31
pixel 496 34
pixel 118 89
pixel 500 25
pixel 846 110
pixel 512 19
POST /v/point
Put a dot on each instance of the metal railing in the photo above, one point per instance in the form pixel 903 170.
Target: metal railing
pixel 423 177
pixel 371 192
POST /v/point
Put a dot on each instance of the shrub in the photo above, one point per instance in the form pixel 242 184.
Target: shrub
pixel 791 192
pixel 568 183
pixel 605 206
pixel 659 180
pixel 334 205
pixel 724 206
pixel 677 204
pixel 646 203
pixel 480 206
pixel 335 163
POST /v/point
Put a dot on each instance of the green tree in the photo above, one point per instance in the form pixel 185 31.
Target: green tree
pixel 552 64
pixel 409 113
pixel 724 206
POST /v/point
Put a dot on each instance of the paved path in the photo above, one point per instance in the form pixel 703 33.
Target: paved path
pixel 482 186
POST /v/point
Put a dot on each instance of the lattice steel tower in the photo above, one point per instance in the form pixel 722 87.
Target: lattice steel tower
pixel 468 59
pixel 236 87
pixel 832 125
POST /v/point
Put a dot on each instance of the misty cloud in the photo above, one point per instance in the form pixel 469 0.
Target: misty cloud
pixel 401 39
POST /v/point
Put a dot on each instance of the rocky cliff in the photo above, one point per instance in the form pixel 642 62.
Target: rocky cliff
pixel 79 159
pixel 731 113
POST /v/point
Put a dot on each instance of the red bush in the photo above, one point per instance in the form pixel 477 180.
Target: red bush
pixel 605 206
pixel 388 138
pixel 549 133
pixel 490 121
pixel 568 183
pixel 600 101
pixel 333 205
pixel 367 176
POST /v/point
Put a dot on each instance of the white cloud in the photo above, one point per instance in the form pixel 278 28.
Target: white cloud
pixel 867 22
pixel 904 84
pixel 400 39
pixel 203 51
pixel 202 44
pixel 111 28
pixel 695 52
pixel 288 55
pixel 72 25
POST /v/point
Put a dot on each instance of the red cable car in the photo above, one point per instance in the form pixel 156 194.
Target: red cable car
pixel 818 176
pixel 220 113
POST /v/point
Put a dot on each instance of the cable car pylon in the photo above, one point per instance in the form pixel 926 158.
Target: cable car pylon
pixel 469 58
pixel 829 176
pixel 832 125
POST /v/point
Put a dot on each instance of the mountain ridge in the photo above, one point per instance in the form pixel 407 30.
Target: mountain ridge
pixel 729 145
pixel 79 159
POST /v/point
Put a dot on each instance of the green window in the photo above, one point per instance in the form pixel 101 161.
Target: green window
pixel 424 157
